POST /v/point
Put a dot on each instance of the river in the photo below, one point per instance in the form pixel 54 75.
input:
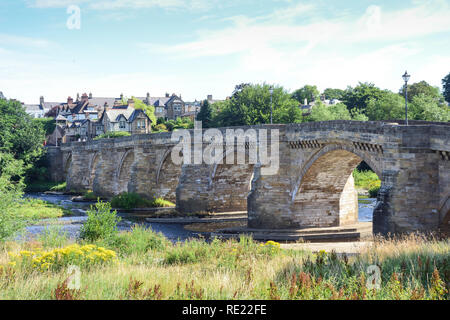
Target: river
pixel 174 232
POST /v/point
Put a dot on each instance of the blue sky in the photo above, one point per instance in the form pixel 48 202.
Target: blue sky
pixel 200 47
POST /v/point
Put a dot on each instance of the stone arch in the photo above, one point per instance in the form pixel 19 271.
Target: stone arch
pixel 67 165
pixel 95 159
pixel 376 167
pixel 323 194
pixel 124 171
pixel 167 177
pixel 230 185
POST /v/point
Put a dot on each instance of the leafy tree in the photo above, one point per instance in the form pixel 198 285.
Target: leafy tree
pixel 330 93
pixel 205 114
pixel 421 87
pixel 321 112
pixel 358 97
pixel 425 107
pixel 446 87
pixel 48 124
pixel 149 110
pixel 311 93
pixel 252 106
pixel 386 106
pixel 19 134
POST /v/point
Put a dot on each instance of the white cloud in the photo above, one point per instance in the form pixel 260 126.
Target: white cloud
pixel 7 39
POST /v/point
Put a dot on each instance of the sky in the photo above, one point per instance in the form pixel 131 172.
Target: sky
pixel 58 48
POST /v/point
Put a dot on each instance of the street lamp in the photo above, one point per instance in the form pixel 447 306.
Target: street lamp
pixel 271 106
pixel 406 77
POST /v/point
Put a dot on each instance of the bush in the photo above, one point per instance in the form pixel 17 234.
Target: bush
pixel 56 259
pixel 101 222
pixel 373 192
pixel 129 201
pixel 366 179
pixel 161 203
pixel 116 134
pixel 89 195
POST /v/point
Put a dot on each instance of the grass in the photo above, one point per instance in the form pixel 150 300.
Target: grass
pixel 46 186
pixel 35 209
pixel 133 200
pixel 148 266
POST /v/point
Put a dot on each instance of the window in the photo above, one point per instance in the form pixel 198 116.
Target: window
pixel 122 124
pixel 141 124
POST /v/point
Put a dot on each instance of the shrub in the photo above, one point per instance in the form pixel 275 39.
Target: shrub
pixel 373 192
pixel 56 259
pixel 101 222
pixel 160 203
pixel 89 195
pixel 366 179
pixel 130 200
pixel 116 134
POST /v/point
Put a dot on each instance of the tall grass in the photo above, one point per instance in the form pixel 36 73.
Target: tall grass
pixel 150 267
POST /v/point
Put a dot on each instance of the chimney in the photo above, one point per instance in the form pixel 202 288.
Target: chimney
pixel 41 100
pixel 69 100
pixel 306 102
pixel 121 96
pixel 106 106
pixel 130 103
pixel 167 95
pixel 209 97
pixel 117 103
pixel 78 97
pixel 148 98
pixel 84 97
pixel 90 95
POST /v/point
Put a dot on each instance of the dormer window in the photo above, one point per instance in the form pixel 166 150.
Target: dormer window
pixel 122 124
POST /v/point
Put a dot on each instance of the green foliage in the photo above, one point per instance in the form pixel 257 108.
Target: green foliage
pixel 205 114
pixel 89 195
pixel 179 123
pixel 11 191
pixel 149 110
pixel 19 134
pixel 34 209
pixel 47 124
pixel 311 93
pixel 422 88
pixel 333 93
pixel 366 179
pixel 425 107
pixel 53 236
pixel 42 186
pixel 101 222
pixel 130 200
pixel 359 97
pixel 161 127
pixel 251 105
pixel 113 134
pixel 386 106
pixel 446 87
pixel 138 241
pixel 373 191
pixel 321 112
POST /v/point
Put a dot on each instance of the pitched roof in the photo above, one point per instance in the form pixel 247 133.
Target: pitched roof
pixel 114 113
pixel 136 113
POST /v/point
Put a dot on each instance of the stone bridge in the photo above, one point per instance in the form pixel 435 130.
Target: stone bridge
pixel 313 187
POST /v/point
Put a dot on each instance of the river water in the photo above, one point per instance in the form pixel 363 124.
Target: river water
pixel 174 232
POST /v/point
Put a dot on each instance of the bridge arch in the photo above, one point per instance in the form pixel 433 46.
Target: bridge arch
pixel 124 171
pixel 67 165
pixel 93 163
pixel 323 193
pixel 167 177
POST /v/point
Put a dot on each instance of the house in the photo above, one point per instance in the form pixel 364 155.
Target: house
pixel 169 107
pixel 40 110
pixel 124 118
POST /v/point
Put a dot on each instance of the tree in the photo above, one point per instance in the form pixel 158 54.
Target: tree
pixel 386 106
pixel 19 134
pixel 149 110
pixel 421 87
pixel 358 97
pixel 330 93
pixel 446 87
pixel 205 114
pixel 311 93
pixel 252 106
pixel 425 107
pixel 321 112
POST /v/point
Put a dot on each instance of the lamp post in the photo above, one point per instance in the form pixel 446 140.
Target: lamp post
pixel 406 77
pixel 271 106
